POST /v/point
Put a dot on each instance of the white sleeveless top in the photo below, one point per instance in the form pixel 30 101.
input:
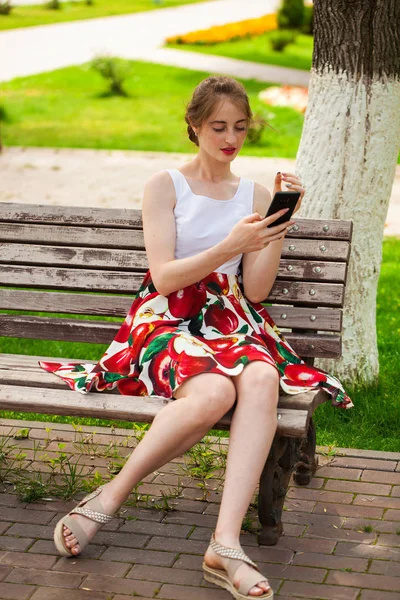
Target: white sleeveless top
pixel 203 222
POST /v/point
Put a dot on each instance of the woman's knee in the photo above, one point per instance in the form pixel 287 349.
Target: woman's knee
pixel 258 384
pixel 213 398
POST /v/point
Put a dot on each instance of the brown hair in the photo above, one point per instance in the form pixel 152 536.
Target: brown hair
pixel 205 97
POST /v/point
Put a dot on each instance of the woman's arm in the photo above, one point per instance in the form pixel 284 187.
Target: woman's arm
pixel 260 268
pixel 170 274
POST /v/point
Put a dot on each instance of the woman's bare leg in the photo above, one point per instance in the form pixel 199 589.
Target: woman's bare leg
pixel 252 432
pixel 201 401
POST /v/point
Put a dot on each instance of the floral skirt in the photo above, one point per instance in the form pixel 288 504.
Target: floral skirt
pixel 207 327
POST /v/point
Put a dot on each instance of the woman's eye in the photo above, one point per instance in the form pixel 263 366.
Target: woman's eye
pixel 241 128
pixel 217 129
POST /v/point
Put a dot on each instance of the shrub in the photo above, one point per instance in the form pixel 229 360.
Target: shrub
pixel 256 128
pixel 114 70
pixel 53 5
pixel 3 119
pixel 280 39
pixel 5 7
pixel 291 14
pixel 308 24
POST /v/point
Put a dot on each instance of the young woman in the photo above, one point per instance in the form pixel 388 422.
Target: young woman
pixel 198 334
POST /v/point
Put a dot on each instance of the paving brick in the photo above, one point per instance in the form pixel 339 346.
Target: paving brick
pixel 377 525
pixel 4 571
pixel 321 592
pixel 341 534
pixel 396 491
pixel 392 515
pixel 299 505
pixel 185 592
pixel 389 540
pixel 142 514
pixel 319 495
pixel 379 501
pixel 366 551
pixel 47 547
pixel 322 520
pixel 128 540
pixel 398 467
pixel 177 545
pixel 308 545
pixel 364 580
pixel 364 463
pixel 10 543
pixel 154 528
pixel 190 518
pixel 313 575
pixel 43 593
pixel 21 515
pixel 104 583
pixel 11 500
pixel 4 527
pixel 35 531
pixel 182 504
pixel 381 477
pixel 124 597
pixel 42 577
pixel 27 560
pixel 15 591
pixel 358 487
pixel 371 595
pixel 315 483
pixel 339 473
pixel 143 557
pixel 330 561
pixel 385 567
pixel 166 575
pixel 87 565
pixel 329 508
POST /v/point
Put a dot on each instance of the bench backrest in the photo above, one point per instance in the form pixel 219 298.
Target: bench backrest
pixel 91 261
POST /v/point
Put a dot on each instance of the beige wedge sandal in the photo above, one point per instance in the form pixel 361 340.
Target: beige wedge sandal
pixel 89 507
pixel 224 578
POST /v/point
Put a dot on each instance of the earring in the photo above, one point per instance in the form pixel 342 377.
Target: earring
pixel 195 133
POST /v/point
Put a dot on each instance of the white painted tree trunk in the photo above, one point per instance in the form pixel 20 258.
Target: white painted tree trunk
pixel 347 159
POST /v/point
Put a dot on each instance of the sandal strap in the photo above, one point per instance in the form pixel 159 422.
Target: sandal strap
pixel 92 514
pixel 231 552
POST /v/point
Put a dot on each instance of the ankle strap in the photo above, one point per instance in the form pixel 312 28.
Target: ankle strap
pixel 230 552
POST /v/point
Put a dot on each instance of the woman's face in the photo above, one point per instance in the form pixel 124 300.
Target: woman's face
pixel 222 135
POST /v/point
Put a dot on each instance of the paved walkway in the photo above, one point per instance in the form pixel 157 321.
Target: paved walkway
pixel 116 178
pixel 341 537
pixel 138 37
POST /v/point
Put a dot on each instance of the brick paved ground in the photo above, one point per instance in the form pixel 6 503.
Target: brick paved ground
pixel 341 542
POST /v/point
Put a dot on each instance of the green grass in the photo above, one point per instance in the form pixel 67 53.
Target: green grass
pixel 258 49
pixel 374 422
pixel 29 16
pixel 70 108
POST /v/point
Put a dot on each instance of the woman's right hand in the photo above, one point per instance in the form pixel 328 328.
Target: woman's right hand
pixel 252 233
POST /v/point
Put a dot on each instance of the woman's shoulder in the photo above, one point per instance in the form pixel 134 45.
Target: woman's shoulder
pixel 160 179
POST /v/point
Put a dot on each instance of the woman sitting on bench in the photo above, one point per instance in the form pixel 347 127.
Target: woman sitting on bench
pixel 197 333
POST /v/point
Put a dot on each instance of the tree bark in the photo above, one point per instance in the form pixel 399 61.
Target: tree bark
pixel 348 152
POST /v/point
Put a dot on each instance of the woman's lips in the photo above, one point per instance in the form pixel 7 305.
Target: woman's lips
pixel 228 150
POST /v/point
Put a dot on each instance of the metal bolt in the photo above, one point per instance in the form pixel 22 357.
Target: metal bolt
pixel 312 292
pixel 285 291
pixel 290 267
pixel 279 416
pixel 292 248
pixel 312 347
pixel 326 228
pixel 284 316
pixel 313 318
pixel 295 227
pixel 322 248
pixel 317 269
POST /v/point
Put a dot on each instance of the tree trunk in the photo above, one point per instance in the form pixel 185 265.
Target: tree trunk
pixel 348 152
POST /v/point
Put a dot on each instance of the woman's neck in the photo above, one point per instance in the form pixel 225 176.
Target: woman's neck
pixel 206 168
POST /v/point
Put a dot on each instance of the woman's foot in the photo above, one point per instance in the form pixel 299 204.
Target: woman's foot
pixel 216 561
pixel 89 526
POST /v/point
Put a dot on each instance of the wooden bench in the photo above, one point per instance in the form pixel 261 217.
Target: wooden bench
pixel 50 255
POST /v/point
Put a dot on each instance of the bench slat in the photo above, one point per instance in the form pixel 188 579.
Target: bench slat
pixel 131 218
pixel 306 293
pixel 98 258
pixel 36 377
pixel 65 235
pixel 112 406
pixel 316 249
pixel 321 319
pixel 101 332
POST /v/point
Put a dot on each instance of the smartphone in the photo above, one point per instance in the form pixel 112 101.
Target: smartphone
pixel 280 201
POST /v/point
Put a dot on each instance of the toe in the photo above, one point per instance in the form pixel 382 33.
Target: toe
pixel 66 531
pixel 256 591
pixel 75 549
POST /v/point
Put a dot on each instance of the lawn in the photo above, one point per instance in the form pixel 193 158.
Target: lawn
pixel 258 49
pixel 374 423
pixel 70 108
pixel 29 16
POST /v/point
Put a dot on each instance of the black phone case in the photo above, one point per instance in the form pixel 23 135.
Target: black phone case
pixel 280 201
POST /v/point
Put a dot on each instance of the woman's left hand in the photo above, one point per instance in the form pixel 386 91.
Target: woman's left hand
pixel 293 184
